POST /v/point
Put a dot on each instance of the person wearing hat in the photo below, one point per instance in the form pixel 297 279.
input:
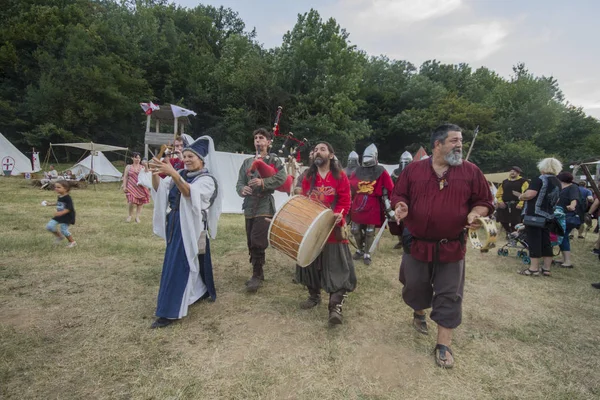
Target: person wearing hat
pixel 259 204
pixel 509 208
pixel 193 198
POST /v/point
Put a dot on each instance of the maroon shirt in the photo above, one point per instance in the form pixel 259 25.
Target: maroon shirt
pixel 435 214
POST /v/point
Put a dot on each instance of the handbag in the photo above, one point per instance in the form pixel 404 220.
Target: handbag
pixel 340 232
pixel 535 221
pixel 145 179
pixel 573 219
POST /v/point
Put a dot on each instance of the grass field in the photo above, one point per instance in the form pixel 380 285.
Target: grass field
pixel 74 323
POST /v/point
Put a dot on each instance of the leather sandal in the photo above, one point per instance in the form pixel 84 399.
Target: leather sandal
pixel 420 324
pixel 529 272
pixel 546 272
pixel 441 358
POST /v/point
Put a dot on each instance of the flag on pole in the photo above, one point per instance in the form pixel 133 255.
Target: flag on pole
pixel 181 112
pixel 149 107
pixel 35 158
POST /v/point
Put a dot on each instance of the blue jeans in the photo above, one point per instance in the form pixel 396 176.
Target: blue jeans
pixel 566 243
pixel 54 225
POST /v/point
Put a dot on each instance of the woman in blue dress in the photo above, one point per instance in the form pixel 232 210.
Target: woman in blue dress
pixel 182 216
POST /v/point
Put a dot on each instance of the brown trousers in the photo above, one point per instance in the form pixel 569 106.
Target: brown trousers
pixel 257 229
pixel 438 286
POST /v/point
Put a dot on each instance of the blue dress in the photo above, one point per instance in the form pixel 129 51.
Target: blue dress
pixel 176 270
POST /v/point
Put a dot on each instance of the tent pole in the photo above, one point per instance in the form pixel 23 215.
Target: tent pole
pixel 92 164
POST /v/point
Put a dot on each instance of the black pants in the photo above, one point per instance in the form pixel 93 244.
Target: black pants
pixel 539 243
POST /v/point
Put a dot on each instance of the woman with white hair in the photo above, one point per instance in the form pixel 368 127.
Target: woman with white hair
pixel 541 197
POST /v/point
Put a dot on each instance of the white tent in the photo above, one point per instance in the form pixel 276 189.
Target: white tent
pixel 12 159
pixel 229 165
pixel 104 170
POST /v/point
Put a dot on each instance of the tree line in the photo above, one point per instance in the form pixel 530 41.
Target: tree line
pixel 76 70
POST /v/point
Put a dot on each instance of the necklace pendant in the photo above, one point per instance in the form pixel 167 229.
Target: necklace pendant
pixel 441 184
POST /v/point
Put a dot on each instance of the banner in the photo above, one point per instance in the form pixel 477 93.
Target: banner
pixel 181 112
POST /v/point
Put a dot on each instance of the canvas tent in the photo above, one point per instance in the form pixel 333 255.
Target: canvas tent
pixel 498 177
pixel 104 170
pixel 12 158
pixel 95 161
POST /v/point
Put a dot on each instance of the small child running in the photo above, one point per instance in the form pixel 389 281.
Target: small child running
pixel 64 215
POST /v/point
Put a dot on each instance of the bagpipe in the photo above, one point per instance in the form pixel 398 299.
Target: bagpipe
pixel 292 147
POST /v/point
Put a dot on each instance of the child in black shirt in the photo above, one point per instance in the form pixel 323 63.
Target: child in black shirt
pixel 65 213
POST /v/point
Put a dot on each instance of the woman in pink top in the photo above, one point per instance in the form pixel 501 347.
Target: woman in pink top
pixel 137 195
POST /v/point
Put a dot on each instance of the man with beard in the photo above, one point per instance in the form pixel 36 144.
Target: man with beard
pixel 333 269
pixel 370 185
pixel 509 206
pixel 352 164
pixel 259 204
pixel 436 198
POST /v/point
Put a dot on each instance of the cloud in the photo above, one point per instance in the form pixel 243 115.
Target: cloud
pixel 395 11
pixel 473 42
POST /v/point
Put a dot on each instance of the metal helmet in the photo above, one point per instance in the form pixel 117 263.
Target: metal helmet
pixel 405 159
pixel 370 156
pixel 352 160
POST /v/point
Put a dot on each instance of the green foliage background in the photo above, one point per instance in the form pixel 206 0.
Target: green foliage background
pixel 75 70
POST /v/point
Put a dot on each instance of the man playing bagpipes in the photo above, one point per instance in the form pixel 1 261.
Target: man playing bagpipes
pixel 371 184
pixel 259 204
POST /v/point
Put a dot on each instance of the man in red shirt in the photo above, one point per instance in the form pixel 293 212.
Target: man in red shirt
pixel 333 270
pixel 177 157
pixel 437 198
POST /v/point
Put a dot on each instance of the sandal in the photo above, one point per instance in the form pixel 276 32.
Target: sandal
pixel 420 324
pixel 566 266
pixel 546 272
pixel 528 272
pixel 441 358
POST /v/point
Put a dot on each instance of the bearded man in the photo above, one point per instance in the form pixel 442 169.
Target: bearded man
pixel 333 269
pixel 437 198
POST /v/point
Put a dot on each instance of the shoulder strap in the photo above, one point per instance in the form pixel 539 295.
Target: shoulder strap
pixel 215 193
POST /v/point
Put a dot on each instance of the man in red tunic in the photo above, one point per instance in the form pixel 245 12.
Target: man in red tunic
pixel 333 269
pixel 177 157
pixel 371 184
pixel 437 198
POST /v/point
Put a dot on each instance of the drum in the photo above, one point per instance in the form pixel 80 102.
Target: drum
pixel 300 229
pixel 484 238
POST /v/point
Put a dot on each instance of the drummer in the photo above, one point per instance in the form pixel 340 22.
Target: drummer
pixel 333 269
pixel 436 198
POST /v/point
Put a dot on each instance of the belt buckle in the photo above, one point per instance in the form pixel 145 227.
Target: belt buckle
pixel 443 241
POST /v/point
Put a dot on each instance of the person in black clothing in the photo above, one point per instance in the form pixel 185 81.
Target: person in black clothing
pixel 568 200
pixel 64 215
pixel 541 197
pixel 509 207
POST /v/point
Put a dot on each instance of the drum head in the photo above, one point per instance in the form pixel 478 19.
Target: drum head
pixel 316 236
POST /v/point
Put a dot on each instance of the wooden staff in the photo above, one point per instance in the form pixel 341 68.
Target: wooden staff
pixel 472 143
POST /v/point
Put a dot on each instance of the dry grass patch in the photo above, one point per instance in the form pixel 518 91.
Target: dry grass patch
pixel 74 322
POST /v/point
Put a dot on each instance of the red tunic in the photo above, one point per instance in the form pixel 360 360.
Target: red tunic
pixel 326 191
pixel 367 206
pixel 435 214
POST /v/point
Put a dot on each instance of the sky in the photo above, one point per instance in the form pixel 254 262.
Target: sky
pixel 552 37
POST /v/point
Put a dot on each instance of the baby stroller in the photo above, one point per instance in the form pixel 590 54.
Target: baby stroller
pixel 518 241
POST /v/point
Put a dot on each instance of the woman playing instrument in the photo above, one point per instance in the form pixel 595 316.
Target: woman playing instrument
pixel 136 195
pixel 186 275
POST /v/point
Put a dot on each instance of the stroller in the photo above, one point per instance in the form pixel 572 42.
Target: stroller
pixel 518 241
